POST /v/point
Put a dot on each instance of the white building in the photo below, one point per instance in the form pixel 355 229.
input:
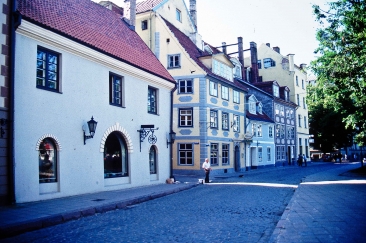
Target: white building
pixel 75 60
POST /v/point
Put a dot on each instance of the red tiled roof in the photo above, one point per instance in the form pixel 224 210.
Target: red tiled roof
pixel 95 26
pixel 146 5
pixel 194 52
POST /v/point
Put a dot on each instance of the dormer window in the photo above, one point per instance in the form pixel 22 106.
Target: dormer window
pixel 144 25
pixel 268 62
pixel 286 95
pixel 252 108
pixel 237 71
pixel 276 91
pixel 259 108
pixel 222 70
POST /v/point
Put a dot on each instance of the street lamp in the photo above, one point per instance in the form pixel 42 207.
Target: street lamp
pixel 92 125
pixel 172 135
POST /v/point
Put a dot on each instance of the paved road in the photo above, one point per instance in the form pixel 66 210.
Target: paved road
pixel 232 209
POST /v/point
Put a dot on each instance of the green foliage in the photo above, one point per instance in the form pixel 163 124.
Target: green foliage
pixel 341 65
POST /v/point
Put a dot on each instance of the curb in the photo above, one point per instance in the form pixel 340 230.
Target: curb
pixel 52 220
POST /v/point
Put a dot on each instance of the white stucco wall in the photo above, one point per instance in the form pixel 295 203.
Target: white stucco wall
pixel 85 93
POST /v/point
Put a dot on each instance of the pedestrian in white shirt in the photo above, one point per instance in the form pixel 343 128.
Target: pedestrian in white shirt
pixel 207 167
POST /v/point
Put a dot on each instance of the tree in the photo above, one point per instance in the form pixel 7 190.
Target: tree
pixel 341 66
pixel 326 124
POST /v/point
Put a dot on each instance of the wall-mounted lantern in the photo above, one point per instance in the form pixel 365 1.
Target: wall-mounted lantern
pixel 172 135
pixel 92 125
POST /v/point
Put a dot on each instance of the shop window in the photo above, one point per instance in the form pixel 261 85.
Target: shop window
pixel 47 161
pixel 115 156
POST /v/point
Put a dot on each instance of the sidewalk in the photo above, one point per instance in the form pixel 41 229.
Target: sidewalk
pixel 25 217
pixel 328 206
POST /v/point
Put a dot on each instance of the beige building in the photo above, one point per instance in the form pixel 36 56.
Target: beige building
pixel 272 65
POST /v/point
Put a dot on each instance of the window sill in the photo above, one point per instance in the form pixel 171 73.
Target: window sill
pixel 120 106
pixel 49 89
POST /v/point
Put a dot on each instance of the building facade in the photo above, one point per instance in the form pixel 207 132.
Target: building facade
pixel 73 76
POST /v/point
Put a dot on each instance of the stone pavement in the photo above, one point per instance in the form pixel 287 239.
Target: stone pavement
pixel 328 206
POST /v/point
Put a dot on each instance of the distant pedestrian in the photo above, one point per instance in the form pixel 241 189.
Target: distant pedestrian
pixel 304 159
pixel 299 160
pixel 207 167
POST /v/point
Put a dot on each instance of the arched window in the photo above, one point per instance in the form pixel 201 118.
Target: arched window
pixel 152 160
pixel 115 156
pixel 47 161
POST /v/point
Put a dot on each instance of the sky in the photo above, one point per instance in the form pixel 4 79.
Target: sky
pixel 288 24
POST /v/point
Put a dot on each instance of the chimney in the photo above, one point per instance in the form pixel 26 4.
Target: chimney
pixel 130 7
pixel 268 44
pixel 276 49
pixel 241 57
pixel 224 47
pixel 193 12
pixel 254 61
pixel 291 62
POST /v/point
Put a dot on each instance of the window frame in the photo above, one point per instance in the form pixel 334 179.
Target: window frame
pixel 225 122
pixel 224 92
pixel 155 101
pixel 236 126
pixel 187 152
pixel 46 69
pixel 186 115
pixel 268 154
pixel 144 24
pixel 270 131
pixel 112 99
pixel 175 63
pixel 260 154
pixel 259 130
pixel 178 15
pixel 214 150
pixel 214 119
pixel 188 89
pixel 268 62
pixel 225 157
pixel 236 96
pixel 213 88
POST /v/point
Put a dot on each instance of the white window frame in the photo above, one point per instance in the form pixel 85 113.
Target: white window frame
pixel 213 88
pixel 236 96
pixel 224 92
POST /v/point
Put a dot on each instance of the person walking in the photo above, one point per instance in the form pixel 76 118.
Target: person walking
pixel 304 159
pixel 299 160
pixel 207 167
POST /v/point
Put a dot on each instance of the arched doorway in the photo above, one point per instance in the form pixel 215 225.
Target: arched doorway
pixel 115 156
pixel 48 162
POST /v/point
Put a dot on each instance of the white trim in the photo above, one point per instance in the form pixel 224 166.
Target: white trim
pixel 40 34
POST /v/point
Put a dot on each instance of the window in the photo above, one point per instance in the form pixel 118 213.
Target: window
pixel 237 71
pixel 287 113
pixel 276 91
pixel 174 61
pixel 152 100
pixel 268 154
pixel 302 84
pixel 291 114
pixel 178 15
pixel 254 131
pixel 260 155
pixel 224 92
pixel 305 123
pixel 225 154
pixel 298 99
pixel 290 132
pixel 214 154
pixel 144 25
pixel 252 107
pixel 277 109
pixel 297 81
pixel 259 64
pixel 259 108
pixel 185 154
pixel 115 90
pixel 268 62
pixel 280 153
pixel 286 95
pixel 282 110
pixel 225 121
pixel 47 161
pixel 186 117
pixel 213 119
pixel 236 96
pixel 299 120
pixel 278 130
pixel 270 131
pixel 115 156
pixel 213 88
pixel 259 130
pixel 185 86
pixel 47 69
pixel 152 160
pixel 236 125
pixel 304 102
pixel 222 70
pixel 283 128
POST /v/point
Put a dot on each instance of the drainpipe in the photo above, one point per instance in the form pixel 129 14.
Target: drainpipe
pixel 171 129
pixel 14 23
